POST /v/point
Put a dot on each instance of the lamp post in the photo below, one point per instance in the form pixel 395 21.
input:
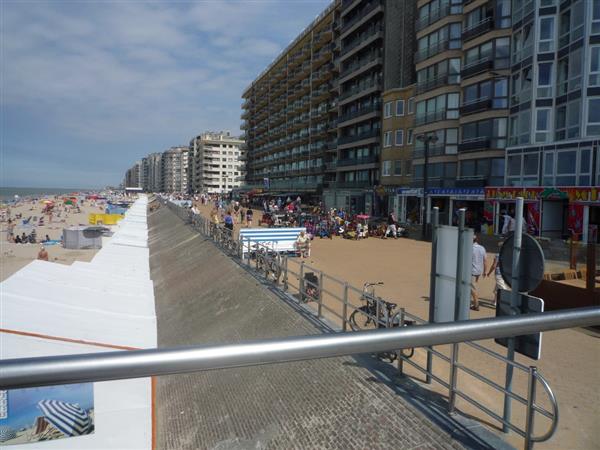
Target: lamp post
pixel 426 139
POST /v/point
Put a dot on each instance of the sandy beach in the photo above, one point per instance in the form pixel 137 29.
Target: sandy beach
pixel 15 256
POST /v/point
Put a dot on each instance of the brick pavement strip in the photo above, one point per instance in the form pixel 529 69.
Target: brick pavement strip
pixel 203 297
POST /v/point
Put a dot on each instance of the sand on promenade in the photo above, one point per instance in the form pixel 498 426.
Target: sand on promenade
pixel 16 256
pixel 570 358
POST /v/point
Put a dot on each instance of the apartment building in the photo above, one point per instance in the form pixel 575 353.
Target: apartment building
pixel 290 114
pixel 155 173
pixel 397 151
pixel 217 163
pixel 133 175
pixel 552 155
pixel 463 69
pixel 174 174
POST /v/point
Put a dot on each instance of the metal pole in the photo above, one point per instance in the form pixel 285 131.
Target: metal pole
pixel 54 370
pixel 301 281
pixel 345 308
pixel 453 378
pixel 320 305
pixel 514 303
pixel 425 180
pixel 400 360
pixel 531 386
pixel 285 272
pixel 432 280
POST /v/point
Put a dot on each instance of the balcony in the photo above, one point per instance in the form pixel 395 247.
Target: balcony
pixel 433 150
pixel 478 29
pixel 359 137
pixel 373 34
pixel 475 106
pixel 474 145
pixel 433 83
pixel 435 116
pixel 361 112
pixel 352 184
pixel 359 16
pixel 476 67
pixel 358 161
pixel 332 145
pixel 359 89
pixel 360 66
pixel 433 16
pixel 430 51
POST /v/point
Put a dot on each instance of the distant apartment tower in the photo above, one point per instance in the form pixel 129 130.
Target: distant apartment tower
pixel 463 69
pixel 155 172
pixel 174 169
pixel 217 163
pixel 290 114
pixel 133 175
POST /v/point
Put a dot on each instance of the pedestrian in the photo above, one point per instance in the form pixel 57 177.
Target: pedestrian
pixel 391 227
pixel 303 245
pixel 42 254
pixel 500 283
pixel 228 219
pixel 249 215
pixel 242 215
pixel 10 234
pixel 478 269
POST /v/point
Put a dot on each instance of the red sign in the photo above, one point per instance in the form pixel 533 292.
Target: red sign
pixel 572 194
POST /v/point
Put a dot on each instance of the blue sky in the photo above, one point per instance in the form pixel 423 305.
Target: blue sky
pixel 88 87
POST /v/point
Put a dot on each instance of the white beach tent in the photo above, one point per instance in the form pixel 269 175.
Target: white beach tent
pixel 105 305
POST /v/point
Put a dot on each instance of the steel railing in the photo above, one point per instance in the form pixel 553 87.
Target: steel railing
pixel 335 302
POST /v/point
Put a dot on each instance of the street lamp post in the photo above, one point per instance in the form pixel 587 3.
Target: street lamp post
pixel 426 139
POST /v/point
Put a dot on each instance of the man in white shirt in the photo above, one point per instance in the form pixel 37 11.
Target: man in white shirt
pixel 479 268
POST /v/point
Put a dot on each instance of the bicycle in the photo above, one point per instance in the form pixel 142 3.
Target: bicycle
pixel 380 314
pixel 268 261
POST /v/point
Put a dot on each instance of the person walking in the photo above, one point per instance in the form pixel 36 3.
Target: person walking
pixel 228 219
pixel 391 227
pixel 249 215
pixel 478 269
pixel 500 283
pixel 303 245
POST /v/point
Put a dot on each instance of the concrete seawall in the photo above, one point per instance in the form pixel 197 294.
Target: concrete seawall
pixel 204 297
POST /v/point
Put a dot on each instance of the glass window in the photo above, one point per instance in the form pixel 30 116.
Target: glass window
pixel 399 137
pixel 400 107
pixel 514 165
pixel 542 120
pixel 387 168
pixel 595 16
pixel 566 162
pixel 584 164
pixel 467 168
pixel 549 164
pixel 594 79
pixel 397 167
pixel 387 110
pixel 594 111
pixel 387 139
pixel 497 167
pixel 546 43
pixel 409 136
pixel 573 118
pixel 530 164
pixel 407 167
pixel 411 105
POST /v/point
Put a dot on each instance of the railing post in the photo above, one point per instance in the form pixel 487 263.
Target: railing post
pixel 285 273
pixel 453 372
pixel 345 308
pixel 249 254
pixel 399 355
pixel 320 306
pixel 301 281
pixel 432 280
pixel 531 387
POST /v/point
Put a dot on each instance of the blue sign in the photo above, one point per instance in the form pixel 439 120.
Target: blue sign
pixel 455 191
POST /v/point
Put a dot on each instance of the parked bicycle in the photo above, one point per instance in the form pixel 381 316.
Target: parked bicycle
pixel 378 313
pixel 268 261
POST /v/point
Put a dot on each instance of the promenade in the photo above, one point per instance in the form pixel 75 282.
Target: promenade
pixel 203 297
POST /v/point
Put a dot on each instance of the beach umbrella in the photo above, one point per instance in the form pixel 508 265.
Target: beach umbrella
pixel 7 433
pixel 68 418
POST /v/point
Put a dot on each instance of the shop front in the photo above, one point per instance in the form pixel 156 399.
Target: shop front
pixel 407 205
pixel 450 200
pixel 552 212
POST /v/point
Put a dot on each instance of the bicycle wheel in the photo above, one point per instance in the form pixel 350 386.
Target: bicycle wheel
pixel 359 319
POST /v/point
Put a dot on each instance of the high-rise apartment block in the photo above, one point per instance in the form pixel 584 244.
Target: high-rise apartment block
pixel 217 163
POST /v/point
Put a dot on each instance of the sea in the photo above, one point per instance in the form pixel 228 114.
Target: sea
pixel 7 194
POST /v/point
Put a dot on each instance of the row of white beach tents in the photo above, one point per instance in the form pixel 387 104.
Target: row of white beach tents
pixel 103 305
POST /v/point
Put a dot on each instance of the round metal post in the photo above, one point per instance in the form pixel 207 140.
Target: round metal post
pixel 400 360
pixel 320 305
pixel 435 225
pixel 425 182
pixel 514 303
pixel 531 386
pixel 345 308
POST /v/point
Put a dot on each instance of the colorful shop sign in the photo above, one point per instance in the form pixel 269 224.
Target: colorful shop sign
pixel 459 192
pixel 572 194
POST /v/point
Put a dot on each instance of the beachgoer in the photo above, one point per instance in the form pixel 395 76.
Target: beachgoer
pixel 228 219
pixel 42 254
pixel 303 245
pixel 242 215
pixel 10 235
pixel 500 283
pixel 24 238
pixel 478 269
pixel 249 215
pixel 391 227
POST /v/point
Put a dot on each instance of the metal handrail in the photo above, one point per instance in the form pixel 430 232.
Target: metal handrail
pixel 554 404
pixel 54 370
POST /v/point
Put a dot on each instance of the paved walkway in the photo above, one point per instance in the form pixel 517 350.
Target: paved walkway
pixel 203 297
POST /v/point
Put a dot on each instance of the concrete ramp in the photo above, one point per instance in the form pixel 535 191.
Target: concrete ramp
pixel 203 297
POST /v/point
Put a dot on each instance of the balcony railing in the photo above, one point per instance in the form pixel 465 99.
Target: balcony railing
pixel 433 150
pixel 475 144
pixel 433 83
pixel 359 137
pixel 359 16
pixel 358 42
pixel 359 89
pixel 476 67
pixel 477 105
pixel 430 51
pixel 361 112
pixel 478 29
pixel 433 16
pixel 360 64
pixel 358 161
pixel 434 116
